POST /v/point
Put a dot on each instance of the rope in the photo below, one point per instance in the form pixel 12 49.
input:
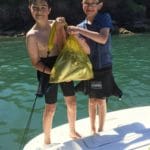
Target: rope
pixel 27 125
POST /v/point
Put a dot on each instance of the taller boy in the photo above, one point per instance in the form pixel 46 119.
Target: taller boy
pixel 37 45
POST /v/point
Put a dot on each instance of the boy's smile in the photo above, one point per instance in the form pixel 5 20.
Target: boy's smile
pixel 91 7
pixel 39 9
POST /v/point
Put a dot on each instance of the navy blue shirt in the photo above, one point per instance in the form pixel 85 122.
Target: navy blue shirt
pixel 100 55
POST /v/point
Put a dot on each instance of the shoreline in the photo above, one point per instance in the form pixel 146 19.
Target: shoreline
pixel 12 33
pixel 118 31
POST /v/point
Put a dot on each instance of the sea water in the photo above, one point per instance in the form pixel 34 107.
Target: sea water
pixel 18 84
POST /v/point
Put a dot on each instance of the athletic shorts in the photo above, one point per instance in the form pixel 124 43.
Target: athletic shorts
pixel 101 86
pixel 52 90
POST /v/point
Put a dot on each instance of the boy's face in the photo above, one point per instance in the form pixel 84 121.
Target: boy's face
pixel 91 7
pixel 39 9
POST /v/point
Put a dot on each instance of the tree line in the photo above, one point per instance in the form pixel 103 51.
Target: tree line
pixel 133 15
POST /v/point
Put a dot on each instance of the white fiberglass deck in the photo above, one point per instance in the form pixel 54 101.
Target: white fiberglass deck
pixel 127 129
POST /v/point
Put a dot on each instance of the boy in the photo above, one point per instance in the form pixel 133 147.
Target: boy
pixel 96 30
pixel 37 45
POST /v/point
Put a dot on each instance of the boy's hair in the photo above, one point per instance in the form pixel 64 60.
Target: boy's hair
pixel 48 2
pixel 98 1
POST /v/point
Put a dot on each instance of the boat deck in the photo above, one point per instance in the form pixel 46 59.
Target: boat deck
pixel 127 129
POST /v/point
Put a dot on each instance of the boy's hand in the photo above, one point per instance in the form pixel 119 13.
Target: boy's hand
pixel 60 21
pixel 74 30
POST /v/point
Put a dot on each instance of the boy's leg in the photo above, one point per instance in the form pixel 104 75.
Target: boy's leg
pixel 99 88
pixel 102 109
pixel 49 111
pixel 71 114
pixel 92 114
pixel 70 99
pixel 48 116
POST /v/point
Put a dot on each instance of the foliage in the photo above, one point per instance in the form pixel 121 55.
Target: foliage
pixel 129 12
pixel 10 2
pixel 15 13
pixel 134 7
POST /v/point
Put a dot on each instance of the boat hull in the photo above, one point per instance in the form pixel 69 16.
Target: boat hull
pixel 125 129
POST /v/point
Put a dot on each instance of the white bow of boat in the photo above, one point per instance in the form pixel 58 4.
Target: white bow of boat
pixel 127 129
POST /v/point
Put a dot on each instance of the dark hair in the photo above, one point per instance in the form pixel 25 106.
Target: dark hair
pixel 97 0
pixel 49 2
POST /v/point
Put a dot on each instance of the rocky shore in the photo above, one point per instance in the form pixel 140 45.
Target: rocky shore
pixel 130 16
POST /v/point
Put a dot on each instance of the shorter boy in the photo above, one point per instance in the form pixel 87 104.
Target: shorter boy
pixel 95 29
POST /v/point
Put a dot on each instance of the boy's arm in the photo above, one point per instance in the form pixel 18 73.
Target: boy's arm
pixel 99 37
pixel 81 40
pixel 83 44
pixel 60 37
pixel 31 43
pixel 60 32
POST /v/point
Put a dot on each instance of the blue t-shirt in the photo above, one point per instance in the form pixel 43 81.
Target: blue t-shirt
pixel 100 55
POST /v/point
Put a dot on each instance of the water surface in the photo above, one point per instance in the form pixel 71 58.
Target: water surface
pixel 131 57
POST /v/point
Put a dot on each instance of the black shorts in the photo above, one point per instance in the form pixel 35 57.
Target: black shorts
pixel 52 90
pixel 49 90
pixel 101 86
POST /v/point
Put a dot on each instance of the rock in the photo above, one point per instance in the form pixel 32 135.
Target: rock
pixel 125 31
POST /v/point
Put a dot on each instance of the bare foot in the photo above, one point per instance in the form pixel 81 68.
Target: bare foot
pixel 47 141
pixel 100 130
pixel 46 146
pixel 93 131
pixel 52 146
pixel 75 135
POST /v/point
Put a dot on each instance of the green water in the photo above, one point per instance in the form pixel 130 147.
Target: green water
pixel 131 56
